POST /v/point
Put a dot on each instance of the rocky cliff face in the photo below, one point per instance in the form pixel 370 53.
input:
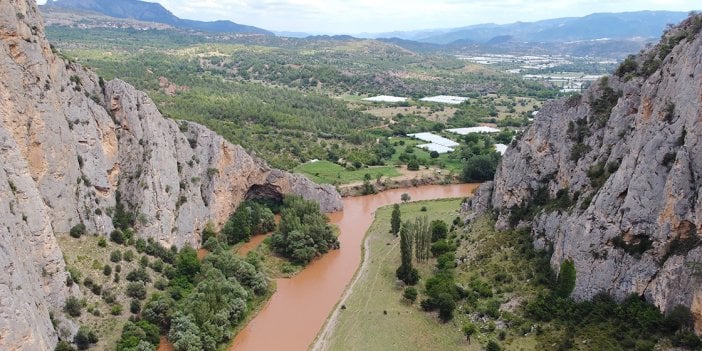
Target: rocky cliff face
pixel 612 178
pixel 72 146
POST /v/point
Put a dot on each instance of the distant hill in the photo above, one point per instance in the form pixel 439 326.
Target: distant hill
pixel 152 12
pixel 616 26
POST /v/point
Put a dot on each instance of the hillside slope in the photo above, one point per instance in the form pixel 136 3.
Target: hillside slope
pixel 152 12
pixel 73 148
pixel 612 179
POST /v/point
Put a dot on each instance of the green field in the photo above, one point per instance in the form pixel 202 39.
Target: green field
pixel 331 173
pixel 363 325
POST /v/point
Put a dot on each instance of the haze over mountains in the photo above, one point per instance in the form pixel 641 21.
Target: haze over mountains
pixel 626 25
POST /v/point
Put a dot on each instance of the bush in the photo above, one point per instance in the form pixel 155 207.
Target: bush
pixel 116 256
pixel 492 345
pixel 139 275
pixel 73 306
pixel 441 247
pixel 117 236
pixel 128 255
pixel 566 279
pixel 439 229
pixel 410 293
pixel 116 310
pixel 413 165
pixel 102 242
pixel 78 230
pixel 107 270
pixel 84 337
pixel 135 306
pixel 63 346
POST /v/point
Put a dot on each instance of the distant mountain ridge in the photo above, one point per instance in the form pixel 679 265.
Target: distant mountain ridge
pixel 152 12
pixel 625 25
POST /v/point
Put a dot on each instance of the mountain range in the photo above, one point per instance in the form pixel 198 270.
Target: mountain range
pixel 625 25
pixel 152 12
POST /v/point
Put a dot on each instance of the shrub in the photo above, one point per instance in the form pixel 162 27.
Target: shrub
pixel 439 229
pixel 135 306
pixel 410 293
pixel 84 337
pixel 116 256
pixel 128 255
pixel 63 346
pixel 107 270
pixel 413 165
pixel 116 310
pixel 628 66
pixel 73 306
pixel 139 275
pixel 117 236
pixel 77 230
pixel 566 279
pixel 102 242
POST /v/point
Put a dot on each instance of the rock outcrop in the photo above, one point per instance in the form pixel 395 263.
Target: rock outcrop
pixel 72 146
pixel 611 179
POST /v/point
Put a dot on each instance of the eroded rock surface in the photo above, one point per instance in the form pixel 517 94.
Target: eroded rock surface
pixel 69 144
pixel 626 157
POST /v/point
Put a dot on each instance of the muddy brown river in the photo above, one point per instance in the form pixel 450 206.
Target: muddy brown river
pixel 300 305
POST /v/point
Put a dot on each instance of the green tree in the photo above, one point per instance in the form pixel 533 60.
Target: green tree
pixel 136 290
pixel 413 165
pixel 439 230
pixel 395 220
pixel 405 197
pixel 566 279
pixel 480 168
pixel 406 272
pixel 422 238
pixel 468 330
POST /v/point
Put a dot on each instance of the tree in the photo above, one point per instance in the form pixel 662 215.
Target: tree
pixel 422 238
pixel 405 197
pixel 468 330
pixel 136 290
pixel 566 279
pixel 406 272
pixel 480 168
pixel 434 154
pixel 395 220
pixel 439 229
pixel 413 165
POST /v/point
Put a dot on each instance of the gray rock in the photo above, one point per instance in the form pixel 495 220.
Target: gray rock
pixel 69 143
pixel 649 147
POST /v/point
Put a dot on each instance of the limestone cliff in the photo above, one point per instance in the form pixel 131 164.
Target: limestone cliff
pixel 70 143
pixel 612 178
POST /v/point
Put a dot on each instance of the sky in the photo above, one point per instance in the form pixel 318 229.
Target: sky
pixel 358 16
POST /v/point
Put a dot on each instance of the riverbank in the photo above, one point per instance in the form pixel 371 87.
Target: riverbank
pixel 302 304
pixel 374 299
